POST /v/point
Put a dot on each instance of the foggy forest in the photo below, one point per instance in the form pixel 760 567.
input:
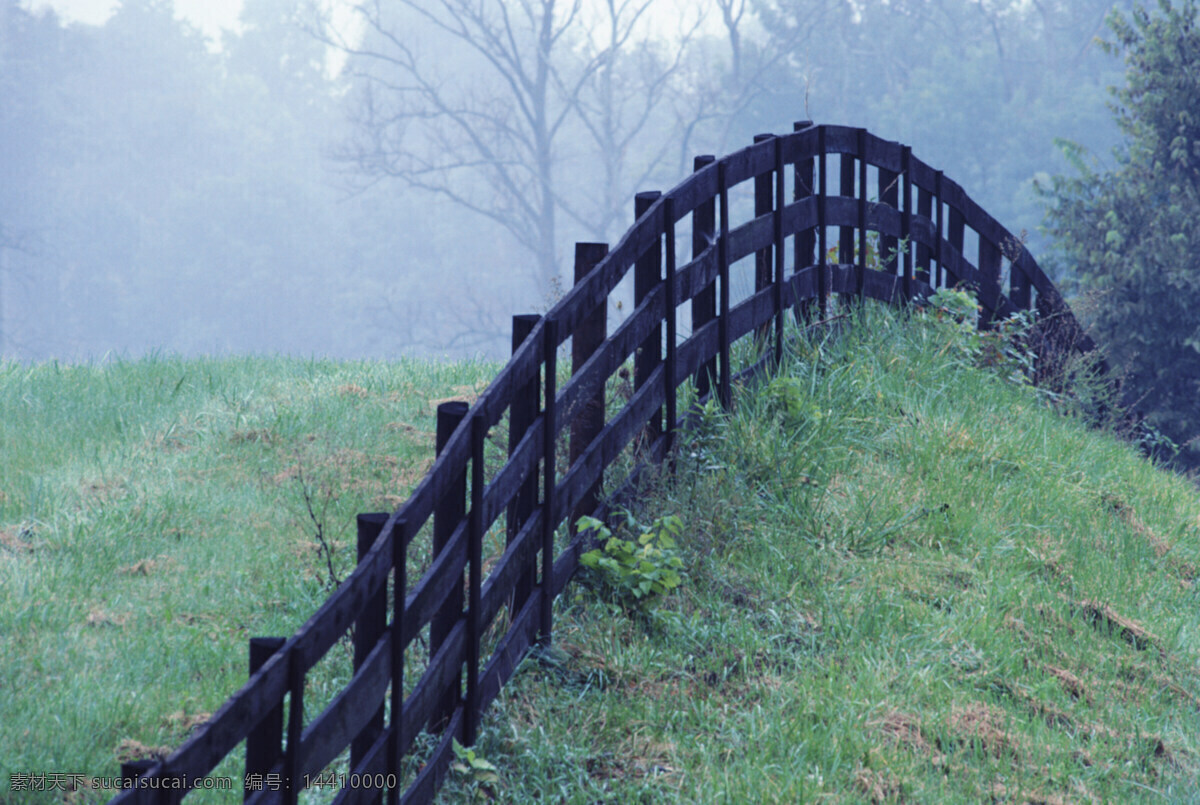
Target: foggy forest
pixel 385 178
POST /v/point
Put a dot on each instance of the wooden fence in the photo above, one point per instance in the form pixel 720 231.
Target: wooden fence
pixel 921 224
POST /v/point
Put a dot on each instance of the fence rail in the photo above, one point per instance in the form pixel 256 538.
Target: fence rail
pixel 923 225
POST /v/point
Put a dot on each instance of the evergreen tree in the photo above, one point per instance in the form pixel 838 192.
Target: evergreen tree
pixel 1132 234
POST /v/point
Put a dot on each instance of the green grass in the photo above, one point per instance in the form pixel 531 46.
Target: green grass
pixel 153 518
pixel 908 580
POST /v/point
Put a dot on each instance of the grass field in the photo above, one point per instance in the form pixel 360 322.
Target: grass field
pixel 153 517
pixel 906 579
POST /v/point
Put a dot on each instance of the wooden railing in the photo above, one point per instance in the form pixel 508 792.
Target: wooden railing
pixel 799 242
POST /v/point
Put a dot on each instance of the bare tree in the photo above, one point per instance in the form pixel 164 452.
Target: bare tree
pixel 527 112
pixel 480 121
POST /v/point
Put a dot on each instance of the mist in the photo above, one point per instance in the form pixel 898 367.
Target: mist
pixel 307 186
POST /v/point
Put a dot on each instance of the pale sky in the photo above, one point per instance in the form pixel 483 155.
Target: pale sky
pixel 210 16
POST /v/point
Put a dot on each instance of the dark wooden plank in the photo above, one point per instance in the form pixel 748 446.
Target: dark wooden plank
pixel 596 370
pixel 221 734
pixel 696 350
pixel 607 445
pixel 509 652
pixel 429 780
pixel 840 212
pixel 374 763
pixel 839 140
pixel 884 286
pixel 696 279
pixel 350 711
pixel 519 553
pixel 749 162
pixel 342 608
pixel 800 218
pixel 750 237
pixel 921 232
pixel 435 585
pixel 421 702
pixel 989 277
pixel 1020 282
pixel 884 154
pixel 799 146
pixel 587 419
pixel 513 479
pixel 846 175
pixel 520 469
pixel 697 189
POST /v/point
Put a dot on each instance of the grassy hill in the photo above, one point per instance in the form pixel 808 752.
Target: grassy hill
pixel 155 514
pixel 906 578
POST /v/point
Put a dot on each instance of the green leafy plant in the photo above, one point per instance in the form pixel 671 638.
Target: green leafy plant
pixel 634 573
pixel 1004 348
pixel 472 766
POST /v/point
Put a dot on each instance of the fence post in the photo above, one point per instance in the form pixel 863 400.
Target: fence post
pixel 647 274
pixel 132 770
pixel 264 743
pixel 399 601
pixel 1018 281
pixel 777 237
pixel 846 189
pixel 860 262
pixel 670 313
pixel 939 279
pixel 822 235
pixel 924 209
pixel 589 335
pixel 989 270
pixel 906 218
pixel 474 579
pixel 723 273
pixel 889 194
pixel 804 242
pixel 368 630
pixel 521 414
pixel 764 193
pixel 549 477
pixel 297 664
pixel 704 303
pixel 447 514
pixel 956 234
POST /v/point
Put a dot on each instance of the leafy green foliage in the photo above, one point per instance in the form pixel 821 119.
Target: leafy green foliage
pixel 1002 349
pixel 1131 234
pixel 470 765
pixel 635 573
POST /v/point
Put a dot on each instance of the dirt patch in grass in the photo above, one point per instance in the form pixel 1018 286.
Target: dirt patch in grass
pixel 1101 615
pixel 353 390
pixel 14 540
pixel 1072 684
pixel 129 749
pixel 1186 570
pixel 878 786
pixel 903 729
pixel 253 436
pixel 99 618
pixel 146 567
pixel 983 725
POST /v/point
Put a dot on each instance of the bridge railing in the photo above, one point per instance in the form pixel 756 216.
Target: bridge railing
pixel 503 522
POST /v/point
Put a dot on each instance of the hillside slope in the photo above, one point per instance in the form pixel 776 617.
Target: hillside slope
pixel 908 578
pixel 156 514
